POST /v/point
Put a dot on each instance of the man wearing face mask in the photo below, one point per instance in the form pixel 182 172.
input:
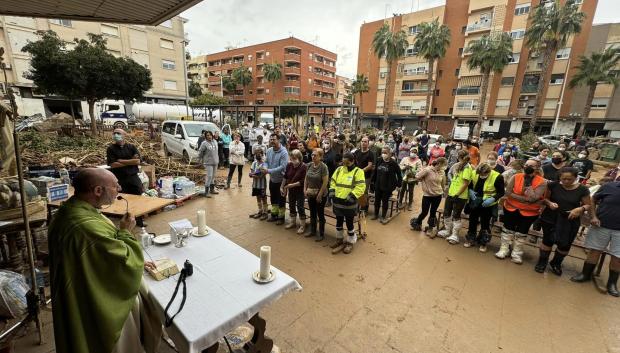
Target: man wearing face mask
pixel 331 158
pixel 524 200
pixel 124 159
pixel 551 171
pixel 365 160
pixel 96 274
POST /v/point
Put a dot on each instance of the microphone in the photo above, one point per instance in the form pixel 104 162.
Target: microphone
pixel 119 197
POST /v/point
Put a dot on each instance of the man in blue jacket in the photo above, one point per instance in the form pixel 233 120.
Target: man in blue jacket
pixel 277 159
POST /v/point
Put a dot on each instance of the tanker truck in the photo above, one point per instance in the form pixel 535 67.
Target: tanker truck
pixel 119 114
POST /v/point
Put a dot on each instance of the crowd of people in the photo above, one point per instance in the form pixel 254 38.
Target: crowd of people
pixel 542 188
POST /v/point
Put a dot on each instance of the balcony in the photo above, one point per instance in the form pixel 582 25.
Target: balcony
pixel 292 57
pixel 292 70
pixel 413 91
pixel 478 27
pixel 530 89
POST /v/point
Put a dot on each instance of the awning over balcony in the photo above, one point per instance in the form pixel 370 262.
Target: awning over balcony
pixel 470 81
pixel 144 12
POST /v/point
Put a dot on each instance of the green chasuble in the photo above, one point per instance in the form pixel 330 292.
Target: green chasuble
pixel 96 271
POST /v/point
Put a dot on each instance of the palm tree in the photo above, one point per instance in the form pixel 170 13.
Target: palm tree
pixel 489 54
pixel 229 86
pixel 359 86
pixel 551 26
pixel 431 43
pixel 590 72
pixel 392 46
pixel 242 76
pixel 273 73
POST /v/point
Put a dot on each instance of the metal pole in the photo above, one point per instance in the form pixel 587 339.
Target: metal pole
pixel 185 79
pixel 22 194
pixel 561 101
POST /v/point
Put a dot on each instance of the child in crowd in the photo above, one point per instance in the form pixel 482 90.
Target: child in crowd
pixel 259 185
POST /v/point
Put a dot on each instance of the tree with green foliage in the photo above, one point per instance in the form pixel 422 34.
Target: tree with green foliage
pixel 87 72
pixel 552 24
pixel 392 46
pixel 273 73
pixel 287 112
pixel 242 76
pixel 592 71
pixel 230 86
pixel 432 42
pixel 194 89
pixel 489 54
pixel 359 86
pixel 208 99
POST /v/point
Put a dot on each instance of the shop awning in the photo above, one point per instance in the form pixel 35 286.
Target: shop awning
pixel 144 12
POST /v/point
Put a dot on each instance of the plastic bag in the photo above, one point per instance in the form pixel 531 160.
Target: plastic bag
pixel 13 289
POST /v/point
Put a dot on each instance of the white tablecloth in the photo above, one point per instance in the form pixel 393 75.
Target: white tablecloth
pixel 221 294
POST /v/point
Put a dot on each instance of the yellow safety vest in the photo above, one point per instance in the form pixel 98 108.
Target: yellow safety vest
pixel 344 182
pixel 488 189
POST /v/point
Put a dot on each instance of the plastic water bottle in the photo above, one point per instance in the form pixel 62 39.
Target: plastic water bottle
pixel 145 238
pixel 64 176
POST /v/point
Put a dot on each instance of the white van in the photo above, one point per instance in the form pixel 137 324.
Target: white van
pixel 180 137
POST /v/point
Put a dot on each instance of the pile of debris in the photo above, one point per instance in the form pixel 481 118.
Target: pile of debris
pixel 51 148
pixel 41 123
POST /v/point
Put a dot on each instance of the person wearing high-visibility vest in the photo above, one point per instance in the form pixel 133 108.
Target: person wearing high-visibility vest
pixel 523 202
pixel 486 187
pixel 346 187
pixel 460 177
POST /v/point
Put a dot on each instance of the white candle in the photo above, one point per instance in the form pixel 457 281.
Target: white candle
pixel 265 261
pixel 202 222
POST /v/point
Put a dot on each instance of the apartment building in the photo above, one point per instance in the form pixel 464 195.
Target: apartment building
pixel 511 95
pixel 308 74
pixel 159 48
pixel 197 71
pixel 605 112
pixel 343 96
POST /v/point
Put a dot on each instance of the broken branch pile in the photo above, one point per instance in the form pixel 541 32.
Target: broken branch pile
pixel 39 148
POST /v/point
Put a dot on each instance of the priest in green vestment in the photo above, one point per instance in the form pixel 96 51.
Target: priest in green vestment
pixel 98 297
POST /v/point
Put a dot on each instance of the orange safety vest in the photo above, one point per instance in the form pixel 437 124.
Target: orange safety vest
pixel 526 209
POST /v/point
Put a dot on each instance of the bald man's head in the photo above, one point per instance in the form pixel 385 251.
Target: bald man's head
pixel 96 186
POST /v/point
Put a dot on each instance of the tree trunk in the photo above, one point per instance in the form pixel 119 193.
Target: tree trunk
pixel 93 118
pixel 385 95
pixel 429 93
pixel 540 98
pixel 586 111
pixel 482 104
pixel 361 111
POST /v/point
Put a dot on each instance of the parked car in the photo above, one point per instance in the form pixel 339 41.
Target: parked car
pixel 180 137
pixel 433 138
pixel 550 140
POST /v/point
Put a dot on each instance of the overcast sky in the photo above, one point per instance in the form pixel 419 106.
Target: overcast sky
pixel 332 25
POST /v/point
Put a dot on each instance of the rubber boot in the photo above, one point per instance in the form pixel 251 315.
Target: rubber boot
pixel 517 249
pixel 339 239
pixel 586 273
pixel 612 284
pixel 311 231
pixel 556 263
pixel 454 237
pixel 448 230
pixel 543 259
pixel 321 232
pixel 213 190
pixel 415 225
pixel 504 248
pixel 291 223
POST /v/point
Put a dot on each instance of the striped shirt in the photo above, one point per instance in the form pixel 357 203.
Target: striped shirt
pixel 260 182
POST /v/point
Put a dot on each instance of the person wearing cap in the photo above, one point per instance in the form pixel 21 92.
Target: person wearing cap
pixel 124 159
pixel 409 166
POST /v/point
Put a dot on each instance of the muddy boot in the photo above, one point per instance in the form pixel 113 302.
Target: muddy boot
pixel 311 231
pixel 280 221
pixel 409 207
pixel 321 232
pixel 556 263
pixel 431 229
pixel 415 225
pixel 291 223
pixel 448 230
pixel 504 248
pixel 264 216
pixel 543 259
pixel 348 247
pixel 612 284
pixel 302 226
pixel 517 250
pixel 454 237
pixel 470 240
pixel 212 190
pixel 586 273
